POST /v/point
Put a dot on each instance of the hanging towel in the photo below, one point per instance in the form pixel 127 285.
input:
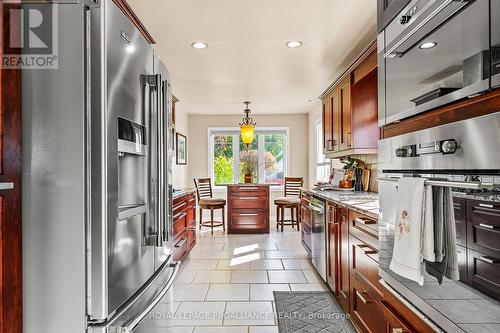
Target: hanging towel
pixel 414 230
pixel 446 258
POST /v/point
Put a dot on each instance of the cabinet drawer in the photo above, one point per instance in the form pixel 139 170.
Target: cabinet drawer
pixel 250 202
pixel 191 239
pixel 459 207
pixel 179 206
pixel 180 249
pixel 483 233
pixel 365 310
pixel 364 265
pixel 393 323
pixel 484 273
pixel 191 217
pixel 460 210
pixel 179 222
pixel 250 220
pixel 364 228
pixel 249 190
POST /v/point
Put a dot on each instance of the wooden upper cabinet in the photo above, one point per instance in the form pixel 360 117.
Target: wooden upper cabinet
pixel 350 115
pixel 344 113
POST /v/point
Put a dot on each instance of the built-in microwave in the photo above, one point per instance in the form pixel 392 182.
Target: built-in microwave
pixel 436 52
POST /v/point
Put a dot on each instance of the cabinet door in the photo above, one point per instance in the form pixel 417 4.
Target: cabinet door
pixel 335 111
pixel 327 124
pixel 344 103
pixel 343 258
pixel 393 324
pixel 365 131
pixel 10 187
pixel 366 311
pixel 332 249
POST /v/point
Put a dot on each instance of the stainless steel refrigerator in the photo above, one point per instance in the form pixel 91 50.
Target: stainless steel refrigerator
pixel 97 194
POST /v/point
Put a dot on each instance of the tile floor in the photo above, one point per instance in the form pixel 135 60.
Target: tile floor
pixel 227 284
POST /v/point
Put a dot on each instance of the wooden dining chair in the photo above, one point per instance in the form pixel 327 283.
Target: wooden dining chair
pixel 207 201
pixel 290 200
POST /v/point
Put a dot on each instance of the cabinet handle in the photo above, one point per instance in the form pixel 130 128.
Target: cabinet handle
pixel 248 214
pixel 361 296
pixel 485 205
pixel 349 138
pixel 398 330
pixel 489 260
pixel 488 226
pixel 362 247
pixel 6 186
pixel 365 222
pixel 248 198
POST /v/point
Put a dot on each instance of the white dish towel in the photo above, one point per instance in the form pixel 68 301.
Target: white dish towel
pixel 414 231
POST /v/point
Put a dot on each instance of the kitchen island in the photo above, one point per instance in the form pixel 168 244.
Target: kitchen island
pixel 248 208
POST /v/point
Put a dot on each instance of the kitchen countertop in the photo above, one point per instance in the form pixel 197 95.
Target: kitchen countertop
pixel 250 184
pixel 362 202
pixel 483 196
pixel 183 191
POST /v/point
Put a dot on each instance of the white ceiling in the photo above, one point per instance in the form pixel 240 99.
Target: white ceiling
pixel 246 58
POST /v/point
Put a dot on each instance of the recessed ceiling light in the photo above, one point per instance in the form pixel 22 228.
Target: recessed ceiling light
pixel 309 101
pixel 428 45
pixel 199 45
pixel 293 44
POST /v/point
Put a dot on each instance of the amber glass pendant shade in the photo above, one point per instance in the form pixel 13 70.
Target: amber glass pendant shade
pixel 247 133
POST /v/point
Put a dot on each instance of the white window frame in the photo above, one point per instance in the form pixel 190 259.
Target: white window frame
pixel 320 158
pixel 235 131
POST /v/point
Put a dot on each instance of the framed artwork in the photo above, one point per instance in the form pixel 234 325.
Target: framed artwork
pixel 180 149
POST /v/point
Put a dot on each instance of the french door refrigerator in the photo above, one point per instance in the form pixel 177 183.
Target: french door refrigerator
pixel 97 152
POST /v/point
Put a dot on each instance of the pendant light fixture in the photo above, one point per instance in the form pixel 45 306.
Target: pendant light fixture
pixel 247 126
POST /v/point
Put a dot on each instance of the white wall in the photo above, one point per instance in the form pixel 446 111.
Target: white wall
pixel 180 172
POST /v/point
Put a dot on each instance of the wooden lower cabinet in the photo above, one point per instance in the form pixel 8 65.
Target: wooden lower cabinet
pixel 305 222
pixel 184 225
pixel 248 209
pixel 332 248
pixel 343 273
pixel 366 311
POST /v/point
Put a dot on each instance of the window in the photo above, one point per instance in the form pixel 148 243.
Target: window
pixel 228 154
pixel 322 164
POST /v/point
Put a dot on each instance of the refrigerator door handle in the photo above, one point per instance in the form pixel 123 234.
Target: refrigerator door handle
pixel 160 162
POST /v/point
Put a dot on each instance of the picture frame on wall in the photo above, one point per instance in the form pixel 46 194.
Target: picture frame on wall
pixel 180 149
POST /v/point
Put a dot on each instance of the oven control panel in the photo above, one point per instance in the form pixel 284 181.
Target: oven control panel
pixel 449 146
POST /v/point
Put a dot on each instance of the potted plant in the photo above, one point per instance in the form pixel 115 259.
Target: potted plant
pixel 349 166
pixel 249 164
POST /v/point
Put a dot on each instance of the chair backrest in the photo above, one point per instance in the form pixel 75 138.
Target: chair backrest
pixel 293 185
pixel 203 187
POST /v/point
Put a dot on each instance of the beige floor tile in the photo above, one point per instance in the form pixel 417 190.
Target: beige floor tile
pixel 184 276
pixel 208 246
pixel 264 292
pixel 263 329
pixel 161 315
pixel 228 292
pixel 249 313
pixel 249 277
pixel 201 264
pixel 233 265
pixel 212 255
pixel 221 329
pixel 286 277
pixel 177 329
pixel 312 276
pixel 265 264
pixel 308 287
pixel 199 314
pixel 297 264
pixel 186 292
pixel 212 277
pixel 280 254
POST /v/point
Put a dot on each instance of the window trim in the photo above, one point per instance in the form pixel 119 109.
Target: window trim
pixel 318 128
pixel 236 130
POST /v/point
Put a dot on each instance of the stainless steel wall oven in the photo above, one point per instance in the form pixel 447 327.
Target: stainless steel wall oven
pixel 464 156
